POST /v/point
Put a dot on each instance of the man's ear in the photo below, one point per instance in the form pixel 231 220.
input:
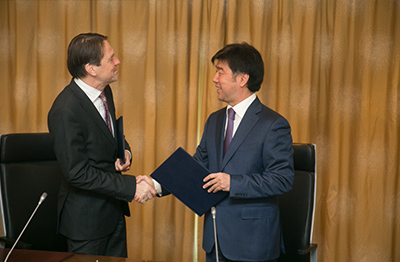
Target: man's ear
pixel 243 79
pixel 90 69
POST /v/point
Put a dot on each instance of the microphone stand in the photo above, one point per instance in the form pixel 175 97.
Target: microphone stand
pixel 42 198
pixel 214 213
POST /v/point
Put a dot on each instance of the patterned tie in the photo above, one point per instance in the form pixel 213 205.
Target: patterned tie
pixel 107 113
pixel 229 129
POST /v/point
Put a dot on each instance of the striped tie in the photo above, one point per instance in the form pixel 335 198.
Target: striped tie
pixel 107 113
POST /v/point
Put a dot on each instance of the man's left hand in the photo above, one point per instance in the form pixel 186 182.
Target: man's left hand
pixel 217 182
pixel 123 167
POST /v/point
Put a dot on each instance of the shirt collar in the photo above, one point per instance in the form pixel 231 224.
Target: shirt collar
pixel 241 108
pixel 91 92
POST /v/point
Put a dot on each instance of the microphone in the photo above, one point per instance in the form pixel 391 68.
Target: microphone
pixel 214 213
pixel 42 198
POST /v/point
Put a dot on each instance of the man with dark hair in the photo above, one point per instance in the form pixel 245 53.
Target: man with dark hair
pixel 248 147
pixel 94 195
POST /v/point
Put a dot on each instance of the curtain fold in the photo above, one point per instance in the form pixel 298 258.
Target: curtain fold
pixel 332 68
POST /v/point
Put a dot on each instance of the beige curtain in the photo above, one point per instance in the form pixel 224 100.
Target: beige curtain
pixel 332 68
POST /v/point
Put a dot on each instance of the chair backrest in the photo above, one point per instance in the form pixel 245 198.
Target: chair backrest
pixel 297 206
pixel 28 167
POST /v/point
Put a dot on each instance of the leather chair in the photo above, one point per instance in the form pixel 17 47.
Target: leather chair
pixel 28 167
pixel 297 207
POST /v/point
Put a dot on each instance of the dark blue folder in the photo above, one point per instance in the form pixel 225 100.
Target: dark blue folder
pixel 120 139
pixel 183 177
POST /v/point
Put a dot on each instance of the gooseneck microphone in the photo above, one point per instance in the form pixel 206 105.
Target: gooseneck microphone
pixel 214 213
pixel 42 198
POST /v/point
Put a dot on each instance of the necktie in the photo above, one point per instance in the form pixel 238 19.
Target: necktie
pixel 107 113
pixel 229 129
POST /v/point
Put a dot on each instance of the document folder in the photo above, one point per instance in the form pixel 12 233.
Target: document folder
pixel 121 139
pixel 183 177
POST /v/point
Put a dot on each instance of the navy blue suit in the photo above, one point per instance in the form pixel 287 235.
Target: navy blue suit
pixel 260 162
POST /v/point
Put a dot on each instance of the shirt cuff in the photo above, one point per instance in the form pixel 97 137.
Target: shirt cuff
pixel 157 187
pixel 130 154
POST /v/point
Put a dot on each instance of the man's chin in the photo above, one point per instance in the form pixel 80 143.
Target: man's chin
pixel 114 80
pixel 220 97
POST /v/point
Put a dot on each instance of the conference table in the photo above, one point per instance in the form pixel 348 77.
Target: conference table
pixel 24 255
pixel 88 258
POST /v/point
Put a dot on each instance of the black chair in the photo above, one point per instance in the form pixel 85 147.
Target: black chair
pixel 28 167
pixel 297 208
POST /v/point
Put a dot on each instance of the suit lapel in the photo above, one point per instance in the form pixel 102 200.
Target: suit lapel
pixel 91 110
pixel 219 135
pixel 248 122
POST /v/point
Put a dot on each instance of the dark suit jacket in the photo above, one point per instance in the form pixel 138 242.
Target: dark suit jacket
pixel 92 194
pixel 260 162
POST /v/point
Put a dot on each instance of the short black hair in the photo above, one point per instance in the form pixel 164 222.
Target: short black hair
pixel 83 49
pixel 243 58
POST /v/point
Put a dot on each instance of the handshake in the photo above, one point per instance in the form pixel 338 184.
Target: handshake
pixel 145 189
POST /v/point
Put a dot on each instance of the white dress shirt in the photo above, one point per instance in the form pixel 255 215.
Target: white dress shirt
pixel 240 110
pixel 93 94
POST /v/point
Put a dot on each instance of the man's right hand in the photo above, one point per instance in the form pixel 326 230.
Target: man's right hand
pixel 144 189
